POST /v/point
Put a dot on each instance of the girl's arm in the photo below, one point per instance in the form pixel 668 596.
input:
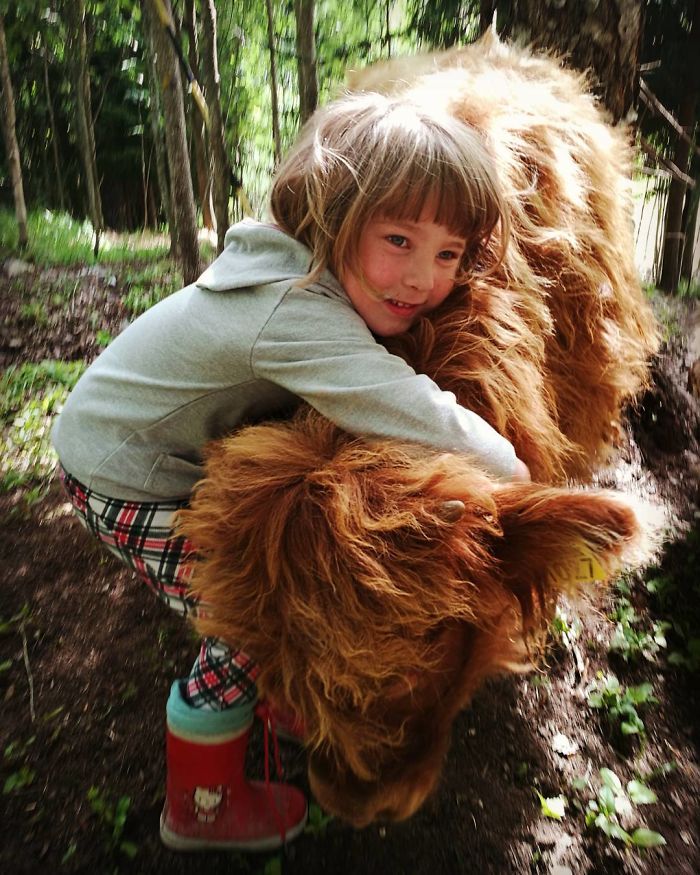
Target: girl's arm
pixel 322 351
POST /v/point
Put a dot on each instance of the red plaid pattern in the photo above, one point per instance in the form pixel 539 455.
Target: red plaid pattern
pixel 140 535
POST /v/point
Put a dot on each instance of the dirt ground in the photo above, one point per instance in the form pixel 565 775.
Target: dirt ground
pixel 88 657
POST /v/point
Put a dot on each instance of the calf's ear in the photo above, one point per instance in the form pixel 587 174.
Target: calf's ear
pixel 558 540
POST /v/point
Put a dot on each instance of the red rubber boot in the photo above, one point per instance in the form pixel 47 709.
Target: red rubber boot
pixel 211 806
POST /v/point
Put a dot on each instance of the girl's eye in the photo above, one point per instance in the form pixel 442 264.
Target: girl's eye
pixel 397 240
pixel 448 255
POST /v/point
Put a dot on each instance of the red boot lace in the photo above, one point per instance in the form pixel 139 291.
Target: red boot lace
pixel 264 712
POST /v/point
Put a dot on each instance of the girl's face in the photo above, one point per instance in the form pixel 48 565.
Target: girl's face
pixel 410 265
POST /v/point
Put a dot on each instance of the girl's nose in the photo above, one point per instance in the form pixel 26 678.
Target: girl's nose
pixel 420 275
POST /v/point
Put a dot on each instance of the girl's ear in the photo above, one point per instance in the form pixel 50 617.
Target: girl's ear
pixel 556 540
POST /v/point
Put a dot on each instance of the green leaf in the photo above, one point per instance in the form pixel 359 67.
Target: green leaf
pixel 617 832
pixel 640 694
pixel 595 700
pixel 129 849
pixel 610 779
pixel 628 728
pixel 273 866
pixel 553 807
pixel 640 794
pixel 646 838
pixel 606 797
pixel 72 847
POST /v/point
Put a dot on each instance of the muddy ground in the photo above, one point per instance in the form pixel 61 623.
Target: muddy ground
pixel 88 656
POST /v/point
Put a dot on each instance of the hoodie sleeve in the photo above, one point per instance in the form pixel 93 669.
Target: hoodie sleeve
pixel 321 350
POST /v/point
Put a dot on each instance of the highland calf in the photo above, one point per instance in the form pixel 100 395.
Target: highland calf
pixel 378 584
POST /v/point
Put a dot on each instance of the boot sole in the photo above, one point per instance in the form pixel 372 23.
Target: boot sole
pixel 176 842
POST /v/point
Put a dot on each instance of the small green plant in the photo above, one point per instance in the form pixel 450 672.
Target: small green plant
pixel 23 777
pixel 318 821
pixel 629 641
pixel 30 396
pixel 14 752
pixel 113 819
pixel 35 311
pixel 103 338
pixel 273 866
pixel 553 807
pixel 689 289
pixel 619 703
pixel 564 629
pixel 139 298
pixel 612 804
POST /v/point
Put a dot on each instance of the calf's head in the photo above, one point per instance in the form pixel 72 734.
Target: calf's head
pixel 377 585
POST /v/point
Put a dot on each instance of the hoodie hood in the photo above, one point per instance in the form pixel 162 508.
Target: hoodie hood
pixel 257 254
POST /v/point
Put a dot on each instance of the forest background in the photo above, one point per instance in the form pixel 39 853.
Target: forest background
pixel 103 122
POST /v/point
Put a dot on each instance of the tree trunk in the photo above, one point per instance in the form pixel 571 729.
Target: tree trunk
pixel 306 57
pixel 221 168
pixel 487 8
pixel 10 134
pixel 673 234
pixel 277 139
pixel 199 140
pixel 155 114
pixel 603 37
pixel 176 144
pixel 54 134
pixel 75 10
pixel 690 231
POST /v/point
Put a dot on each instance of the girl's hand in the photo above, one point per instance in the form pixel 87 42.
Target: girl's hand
pixel 521 473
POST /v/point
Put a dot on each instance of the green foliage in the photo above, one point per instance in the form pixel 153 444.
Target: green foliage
pixel 675 591
pixel 149 284
pixel 30 397
pixel 565 629
pixel 688 289
pixel 318 821
pixel 112 816
pixel 58 239
pixel 452 22
pixel 629 640
pixel 612 804
pixel 15 751
pixel 18 780
pixel 553 807
pixel 619 703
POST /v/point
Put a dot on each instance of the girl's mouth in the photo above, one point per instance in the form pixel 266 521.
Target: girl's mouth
pixel 400 308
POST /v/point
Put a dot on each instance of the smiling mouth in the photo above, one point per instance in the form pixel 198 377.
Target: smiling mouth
pixel 401 305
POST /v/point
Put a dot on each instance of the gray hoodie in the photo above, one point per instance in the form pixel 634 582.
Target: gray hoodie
pixel 240 345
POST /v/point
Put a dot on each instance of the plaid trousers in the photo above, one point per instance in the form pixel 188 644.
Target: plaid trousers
pixel 140 534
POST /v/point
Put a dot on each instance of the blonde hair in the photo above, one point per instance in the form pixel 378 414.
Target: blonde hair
pixel 368 155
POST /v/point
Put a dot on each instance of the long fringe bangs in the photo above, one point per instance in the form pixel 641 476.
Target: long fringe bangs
pixel 426 161
pixel 367 155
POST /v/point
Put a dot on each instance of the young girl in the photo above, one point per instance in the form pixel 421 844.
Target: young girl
pixel 380 209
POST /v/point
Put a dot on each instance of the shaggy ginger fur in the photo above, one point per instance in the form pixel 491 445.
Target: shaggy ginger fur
pixel 550 347
pixel 378 584
pixel 374 603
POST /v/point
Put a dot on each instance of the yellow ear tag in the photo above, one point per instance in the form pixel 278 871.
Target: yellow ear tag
pixel 583 567
pixel 588 569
